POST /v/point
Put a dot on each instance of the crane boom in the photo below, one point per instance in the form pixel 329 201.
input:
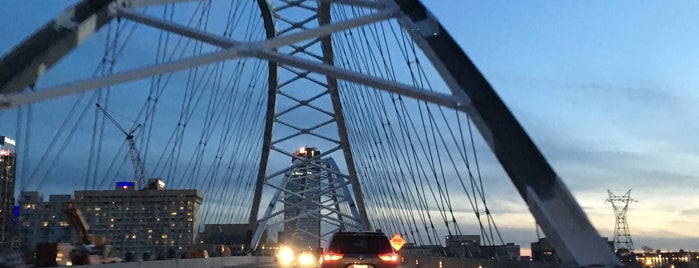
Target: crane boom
pixel 139 174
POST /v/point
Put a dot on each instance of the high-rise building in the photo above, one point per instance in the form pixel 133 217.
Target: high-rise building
pixel 149 223
pixel 301 222
pixel 7 189
pixel 42 221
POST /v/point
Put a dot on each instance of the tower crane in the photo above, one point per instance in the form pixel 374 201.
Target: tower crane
pixel 139 176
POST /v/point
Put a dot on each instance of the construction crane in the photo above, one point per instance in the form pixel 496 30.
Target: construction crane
pixel 139 176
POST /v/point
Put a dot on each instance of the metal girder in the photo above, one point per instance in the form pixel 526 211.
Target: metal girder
pixel 357 3
pixel 27 62
pixel 328 60
pixel 16 99
pixel 363 79
pixel 551 203
pixel 234 49
pixel 310 211
pixel 272 84
pixel 328 190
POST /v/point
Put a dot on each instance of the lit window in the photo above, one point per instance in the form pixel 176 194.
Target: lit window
pixel 150 231
pixel 111 226
pixel 98 209
pixel 189 219
pixel 45 223
pixel 174 213
pixel 133 237
pixel 112 219
pixel 181 208
pixel 63 224
pixel 164 236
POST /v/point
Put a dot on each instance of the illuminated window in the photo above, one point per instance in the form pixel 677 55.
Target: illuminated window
pixel 111 226
pixel 189 219
pixel 133 237
pixel 174 213
pixel 181 208
pixel 98 209
pixel 45 223
pixel 164 236
pixel 150 236
pixel 63 224
pixel 150 231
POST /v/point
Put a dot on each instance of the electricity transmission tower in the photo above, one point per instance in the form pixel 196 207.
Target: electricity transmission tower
pixel 622 235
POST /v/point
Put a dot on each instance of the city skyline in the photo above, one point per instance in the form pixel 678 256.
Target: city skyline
pixel 605 90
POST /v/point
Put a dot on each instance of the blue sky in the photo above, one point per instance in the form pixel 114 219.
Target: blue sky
pixel 608 90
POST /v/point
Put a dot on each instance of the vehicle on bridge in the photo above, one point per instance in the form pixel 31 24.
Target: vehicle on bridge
pixel 293 256
pixel 360 250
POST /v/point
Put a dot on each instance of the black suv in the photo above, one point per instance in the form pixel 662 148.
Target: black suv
pixel 359 250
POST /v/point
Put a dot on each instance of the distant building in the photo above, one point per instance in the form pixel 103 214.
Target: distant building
pixel 469 246
pixel 42 221
pixel 231 235
pixel 507 252
pixel 543 251
pixel 463 246
pixel 301 223
pixel 678 259
pixel 8 161
pixel 149 223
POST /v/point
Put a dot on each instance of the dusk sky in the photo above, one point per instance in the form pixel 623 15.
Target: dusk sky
pixel 607 90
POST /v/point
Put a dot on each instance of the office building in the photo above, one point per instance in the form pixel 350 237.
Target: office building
pixel 301 221
pixel 150 223
pixel 42 221
pixel 8 160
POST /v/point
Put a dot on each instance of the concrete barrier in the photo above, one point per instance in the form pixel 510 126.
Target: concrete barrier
pixel 444 262
pixel 217 262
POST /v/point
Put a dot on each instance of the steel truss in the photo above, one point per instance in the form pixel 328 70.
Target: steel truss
pixel 313 191
pixel 550 202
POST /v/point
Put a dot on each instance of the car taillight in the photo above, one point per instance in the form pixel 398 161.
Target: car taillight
pixel 330 257
pixel 389 257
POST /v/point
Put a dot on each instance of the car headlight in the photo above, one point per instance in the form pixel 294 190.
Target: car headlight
pixel 285 256
pixel 306 259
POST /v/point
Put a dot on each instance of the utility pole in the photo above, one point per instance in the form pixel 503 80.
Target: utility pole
pixel 139 176
pixel 623 244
